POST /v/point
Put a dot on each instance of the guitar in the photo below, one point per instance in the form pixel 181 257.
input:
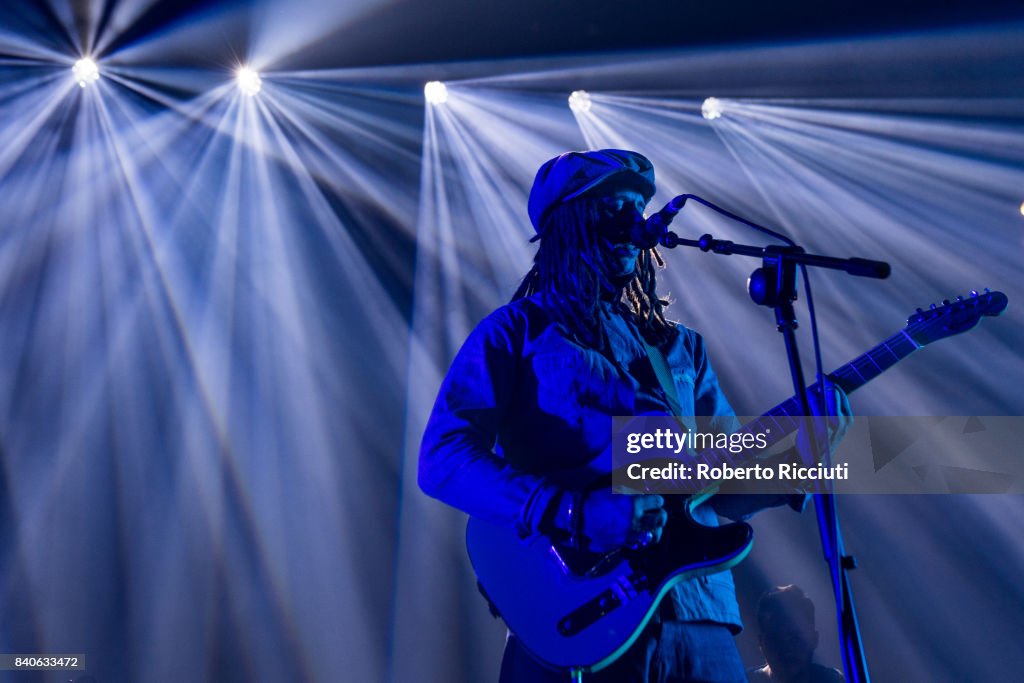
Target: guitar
pixel 580 611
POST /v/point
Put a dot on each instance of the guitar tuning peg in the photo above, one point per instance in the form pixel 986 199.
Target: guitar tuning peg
pixel 934 307
pixel 974 292
pixel 919 311
pixel 959 298
pixel 945 302
pixel 988 291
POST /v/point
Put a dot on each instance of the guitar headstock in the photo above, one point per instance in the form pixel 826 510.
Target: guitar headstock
pixel 953 317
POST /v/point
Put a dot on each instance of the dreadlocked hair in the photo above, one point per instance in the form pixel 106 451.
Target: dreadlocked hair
pixel 567 273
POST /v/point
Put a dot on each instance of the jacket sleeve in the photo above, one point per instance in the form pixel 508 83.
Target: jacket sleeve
pixel 458 463
pixel 733 501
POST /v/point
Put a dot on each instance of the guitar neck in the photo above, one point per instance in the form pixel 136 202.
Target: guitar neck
pixel 784 419
pixel 856 373
pixel 870 365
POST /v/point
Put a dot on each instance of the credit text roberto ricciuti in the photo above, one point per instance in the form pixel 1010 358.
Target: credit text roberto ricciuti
pixel 705 472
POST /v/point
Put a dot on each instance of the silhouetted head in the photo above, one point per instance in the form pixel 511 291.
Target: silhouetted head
pixel 785 617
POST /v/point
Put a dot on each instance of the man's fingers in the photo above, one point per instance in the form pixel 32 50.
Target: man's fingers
pixel 653 519
pixel 649 514
pixel 838 400
pixel 646 502
pixel 650 527
pixel 656 523
pixel 844 403
pixel 654 502
pixel 840 413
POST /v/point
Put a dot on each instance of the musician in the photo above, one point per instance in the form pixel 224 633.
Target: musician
pixel 533 389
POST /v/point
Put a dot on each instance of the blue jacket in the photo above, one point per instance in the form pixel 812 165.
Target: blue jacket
pixel 522 401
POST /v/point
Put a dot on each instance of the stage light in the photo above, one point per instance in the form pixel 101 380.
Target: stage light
pixel 1022 208
pixel 711 109
pixel 85 71
pixel 249 81
pixel 579 100
pixel 436 92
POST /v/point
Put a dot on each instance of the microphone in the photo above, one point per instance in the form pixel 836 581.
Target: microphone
pixel 646 234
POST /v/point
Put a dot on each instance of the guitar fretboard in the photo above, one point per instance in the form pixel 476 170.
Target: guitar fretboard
pixel 784 418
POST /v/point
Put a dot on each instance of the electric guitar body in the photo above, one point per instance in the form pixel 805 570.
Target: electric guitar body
pixel 583 610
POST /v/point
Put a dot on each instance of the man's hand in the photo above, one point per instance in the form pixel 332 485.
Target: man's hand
pixel 839 421
pixel 612 520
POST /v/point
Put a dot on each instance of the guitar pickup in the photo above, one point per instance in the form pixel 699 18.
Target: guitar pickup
pixel 624 589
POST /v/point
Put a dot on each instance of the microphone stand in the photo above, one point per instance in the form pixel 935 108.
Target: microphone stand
pixel 774 285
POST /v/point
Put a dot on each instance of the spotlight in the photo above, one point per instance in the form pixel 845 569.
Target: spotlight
pixel 85 71
pixel 249 81
pixel 436 92
pixel 579 100
pixel 1022 208
pixel 711 109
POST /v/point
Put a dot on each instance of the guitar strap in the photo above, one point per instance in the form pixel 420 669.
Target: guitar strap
pixel 664 374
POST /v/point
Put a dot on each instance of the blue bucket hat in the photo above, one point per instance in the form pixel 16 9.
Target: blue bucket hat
pixel 572 174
